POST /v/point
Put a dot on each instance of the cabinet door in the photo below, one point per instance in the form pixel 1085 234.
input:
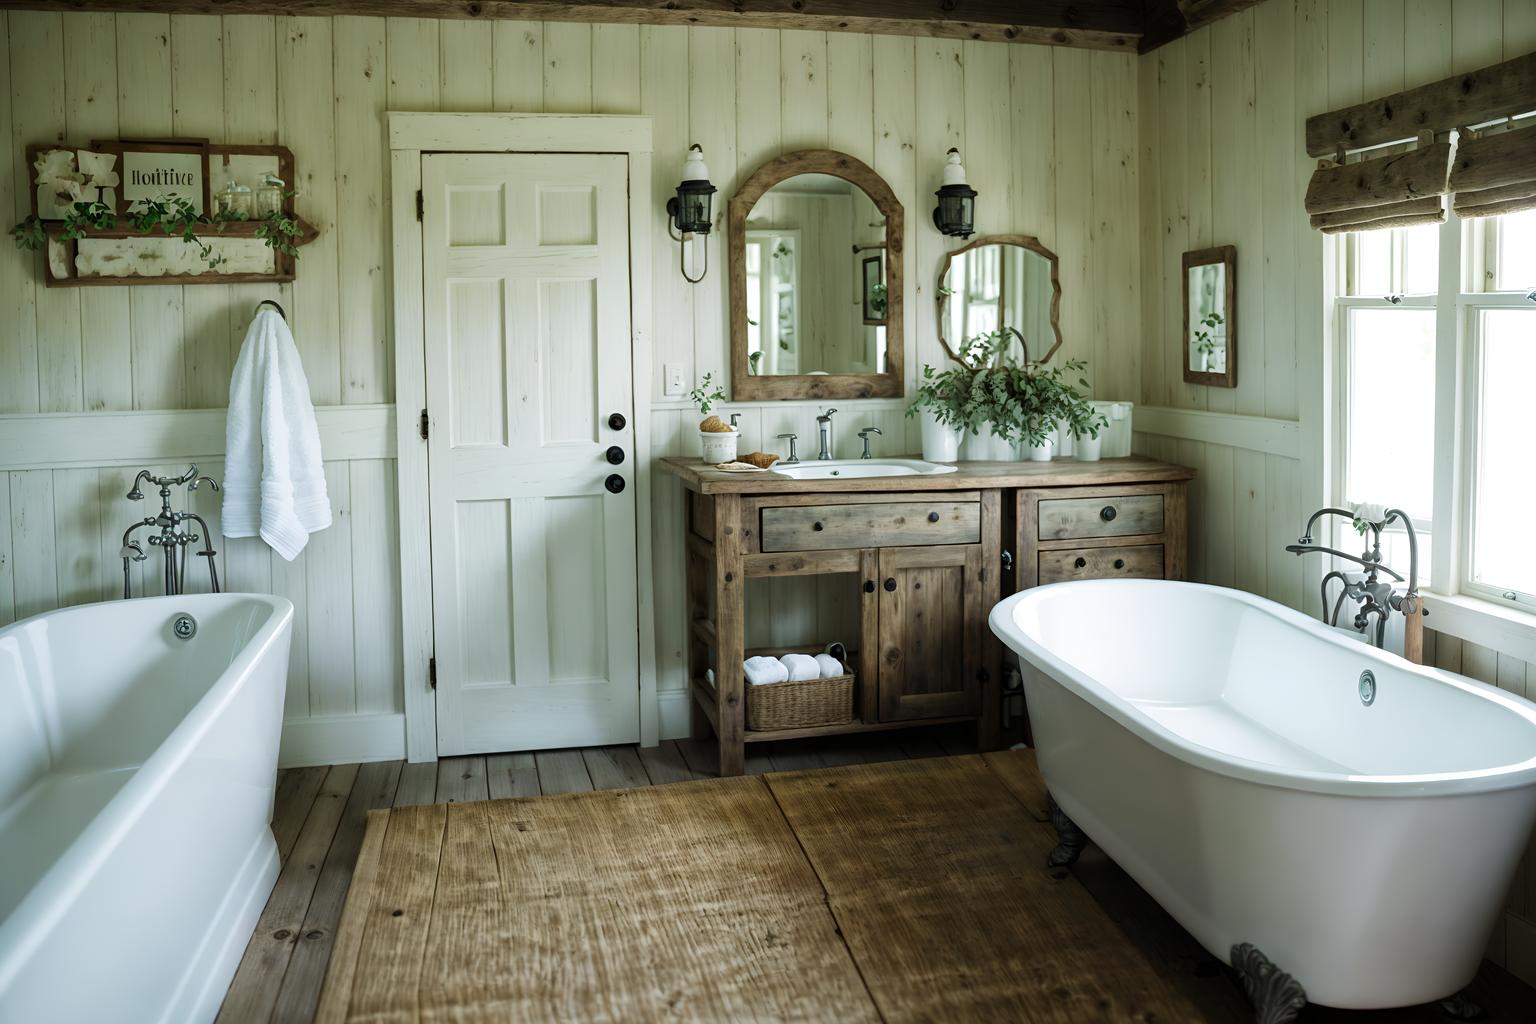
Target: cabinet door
pixel 930 642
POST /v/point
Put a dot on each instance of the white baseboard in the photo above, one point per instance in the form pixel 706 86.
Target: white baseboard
pixel 673 714
pixel 341 739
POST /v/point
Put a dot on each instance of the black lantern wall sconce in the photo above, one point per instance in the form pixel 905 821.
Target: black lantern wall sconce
pixel 690 212
pixel 956 213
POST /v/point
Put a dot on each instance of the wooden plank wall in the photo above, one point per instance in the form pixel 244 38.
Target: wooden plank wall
pixel 1211 173
pixel 1048 136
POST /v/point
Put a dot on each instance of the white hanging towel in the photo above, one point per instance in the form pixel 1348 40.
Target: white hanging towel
pixel 274 482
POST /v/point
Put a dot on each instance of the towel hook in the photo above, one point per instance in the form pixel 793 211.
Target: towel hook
pixel 274 304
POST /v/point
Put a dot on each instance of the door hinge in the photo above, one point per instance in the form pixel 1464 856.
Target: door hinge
pixel 423 427
pixel 432 672
pixel 421 205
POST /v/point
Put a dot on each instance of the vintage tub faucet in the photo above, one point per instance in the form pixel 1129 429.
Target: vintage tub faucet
pixel 172 539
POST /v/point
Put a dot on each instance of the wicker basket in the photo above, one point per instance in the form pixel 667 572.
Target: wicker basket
pixel 800 703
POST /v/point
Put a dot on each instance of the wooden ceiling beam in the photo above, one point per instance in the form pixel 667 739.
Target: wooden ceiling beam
pixel 1092 24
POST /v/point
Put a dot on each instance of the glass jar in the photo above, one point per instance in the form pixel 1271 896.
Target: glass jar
pixel 234 201
pixel 269 195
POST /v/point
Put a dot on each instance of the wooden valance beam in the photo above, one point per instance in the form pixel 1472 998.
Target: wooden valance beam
pixel 1501 90
pixel 1092 24
pixel 1395 178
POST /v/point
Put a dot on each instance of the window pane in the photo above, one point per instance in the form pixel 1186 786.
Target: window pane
pixel 1515 266
pixel 1373 263
pixel 1391 405
pixel 1502 553
pixel 1421 259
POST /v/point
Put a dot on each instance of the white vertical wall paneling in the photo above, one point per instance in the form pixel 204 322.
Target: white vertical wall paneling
pixel 1074 202
pixel 616 68
pixel 37 97
pixel 518 78
pixel 664 91
pixel 465 65
pixel 712 124
pixel 567 68
pixel 329 589
pixel 361 209
pixel 18 360
pixel 895 160
pixel 7 561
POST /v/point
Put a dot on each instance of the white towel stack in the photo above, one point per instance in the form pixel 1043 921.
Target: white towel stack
pixel 762 670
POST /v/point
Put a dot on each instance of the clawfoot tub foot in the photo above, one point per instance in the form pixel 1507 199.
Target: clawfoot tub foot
pixel 1276 996
pixel 1070 839
pixel 1461 1007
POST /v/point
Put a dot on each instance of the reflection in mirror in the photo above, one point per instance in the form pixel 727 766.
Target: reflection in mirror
pixel 815 289
pixel 1210 327
pixel 1005 281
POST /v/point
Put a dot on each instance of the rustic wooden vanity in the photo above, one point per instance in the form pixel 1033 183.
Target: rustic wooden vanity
pixel 932 554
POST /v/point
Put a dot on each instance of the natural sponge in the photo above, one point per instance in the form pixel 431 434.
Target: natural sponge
pixel 762 460
pixel 715 425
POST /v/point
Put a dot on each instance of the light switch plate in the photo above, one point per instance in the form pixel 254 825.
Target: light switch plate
pixel 672 379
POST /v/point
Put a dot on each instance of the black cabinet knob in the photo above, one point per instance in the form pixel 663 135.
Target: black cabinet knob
pixel 1119 563
pixel 933 517
pixel 890 584
pixel 869 586
pixel 617 421
pixel 614 455
pixel 1080 562
pixel 614 483
pixel 817 527
pixel 1108 513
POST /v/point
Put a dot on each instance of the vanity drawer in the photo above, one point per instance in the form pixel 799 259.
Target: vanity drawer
pixel 1141 562
pixel 1123 515
pixel 882 525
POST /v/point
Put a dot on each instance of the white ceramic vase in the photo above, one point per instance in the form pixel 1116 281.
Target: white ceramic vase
pixel 940 443
pixel 1089 448
pixel 1040 452
pixel 987 445
pixel 718 446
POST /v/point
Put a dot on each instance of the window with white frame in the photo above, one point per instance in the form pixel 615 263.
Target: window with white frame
pixel 1437 396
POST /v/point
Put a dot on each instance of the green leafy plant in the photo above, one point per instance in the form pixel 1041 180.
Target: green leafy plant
pixel 877 299
pixel 704 397
pixel 1205 341
pixel 753 361
pixel 1051 398
pixel 172 216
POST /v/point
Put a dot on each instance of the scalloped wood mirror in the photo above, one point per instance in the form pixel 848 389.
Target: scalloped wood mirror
pixel 815 241
pixel 1001 282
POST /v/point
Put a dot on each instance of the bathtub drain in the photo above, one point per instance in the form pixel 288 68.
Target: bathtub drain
pixel 184 626
pixel 1367 687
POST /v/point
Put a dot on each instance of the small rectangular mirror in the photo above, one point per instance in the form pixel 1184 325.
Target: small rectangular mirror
pixel 1210 317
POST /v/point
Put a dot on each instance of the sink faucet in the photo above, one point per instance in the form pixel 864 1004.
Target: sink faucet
pixel 864 436
pixel 824 426
pixel 792 456
pixel 1377 599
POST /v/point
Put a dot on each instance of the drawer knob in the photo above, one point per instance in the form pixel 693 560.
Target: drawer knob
pixel 614 455
pixel 1119 563
pixel 890 584
pixel 1108 513
pixel 933 517
pixel 1080 562
pixel 817 527
pixel 614 483
pixel 869 586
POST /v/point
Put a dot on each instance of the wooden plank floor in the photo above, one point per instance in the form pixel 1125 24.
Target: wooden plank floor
pixel 1153 966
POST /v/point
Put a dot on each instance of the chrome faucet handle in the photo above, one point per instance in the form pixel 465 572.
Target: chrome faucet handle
pixel 864 436
pixel 792 456
pixel 826 417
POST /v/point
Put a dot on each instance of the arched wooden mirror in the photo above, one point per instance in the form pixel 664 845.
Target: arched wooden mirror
pixel 815 243
pixel 1001 282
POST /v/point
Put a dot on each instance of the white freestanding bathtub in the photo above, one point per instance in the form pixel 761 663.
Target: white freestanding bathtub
pixel 136 784
pixel 1218 747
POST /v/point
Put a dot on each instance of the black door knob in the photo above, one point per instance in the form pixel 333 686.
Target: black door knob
pixel 614 455
pixel 617 421
pixel 1081 562
pixel 933 517
pixel 869 586
pixel 890 584
pixel 1119 563
pixel 614 483
pixel 1108 513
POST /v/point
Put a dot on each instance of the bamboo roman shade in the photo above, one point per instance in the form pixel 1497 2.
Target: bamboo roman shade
pixel 1486 171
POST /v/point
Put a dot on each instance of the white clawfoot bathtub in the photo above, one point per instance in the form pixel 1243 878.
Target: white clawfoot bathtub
pixel 1217 746
pixel 136 783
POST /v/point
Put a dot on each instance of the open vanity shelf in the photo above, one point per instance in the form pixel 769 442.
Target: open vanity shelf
pixel 926 559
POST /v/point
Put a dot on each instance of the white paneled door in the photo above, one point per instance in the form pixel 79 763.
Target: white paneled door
pixel 526 287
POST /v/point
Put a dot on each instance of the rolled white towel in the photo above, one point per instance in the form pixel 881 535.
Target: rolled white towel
pixel 1369 513
pixel 764 670
pixel 801 666
pixel 830 666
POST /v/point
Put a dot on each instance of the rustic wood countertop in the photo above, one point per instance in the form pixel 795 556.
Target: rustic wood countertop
pixel 968 476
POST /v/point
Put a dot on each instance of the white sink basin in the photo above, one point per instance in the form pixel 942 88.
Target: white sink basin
pixel 854 469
